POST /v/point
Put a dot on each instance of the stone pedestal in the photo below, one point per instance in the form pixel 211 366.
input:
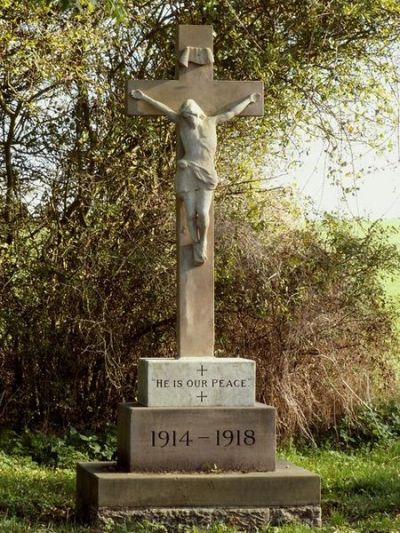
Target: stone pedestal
pixel 186 462
pixel 250 500
pixel 161 439
pixel 196 381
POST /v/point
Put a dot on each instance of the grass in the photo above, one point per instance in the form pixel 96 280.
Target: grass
pixel 361 489
pixel 361 493
pixel 31 495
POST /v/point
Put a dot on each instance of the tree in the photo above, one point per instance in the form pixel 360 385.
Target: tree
pixel 87 196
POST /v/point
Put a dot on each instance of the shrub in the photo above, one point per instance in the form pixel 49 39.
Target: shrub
pixel 60 451
pixel 87 275
pixel 304 300
pixel 370 425
pixel 306 303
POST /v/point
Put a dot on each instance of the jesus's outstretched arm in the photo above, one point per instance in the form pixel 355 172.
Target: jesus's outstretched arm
pixel 238 108
pixel 168 112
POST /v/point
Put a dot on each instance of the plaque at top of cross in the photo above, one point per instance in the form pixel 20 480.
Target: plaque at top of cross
pixel 196 104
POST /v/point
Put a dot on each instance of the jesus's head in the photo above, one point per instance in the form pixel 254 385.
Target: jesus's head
pixel 192 112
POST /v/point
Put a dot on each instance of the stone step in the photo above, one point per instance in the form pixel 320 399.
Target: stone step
pixel 163 439
pixel 288 493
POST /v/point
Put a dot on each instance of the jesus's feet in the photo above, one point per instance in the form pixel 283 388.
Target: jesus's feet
pixel 199 253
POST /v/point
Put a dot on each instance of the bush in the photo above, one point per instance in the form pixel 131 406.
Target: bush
pixel 87 234
pixel 371 425
pixel 306 303
pixel 304 300
pixel 60 451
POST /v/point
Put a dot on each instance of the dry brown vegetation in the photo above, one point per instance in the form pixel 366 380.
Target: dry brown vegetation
pixel 87 279
pixel 306 304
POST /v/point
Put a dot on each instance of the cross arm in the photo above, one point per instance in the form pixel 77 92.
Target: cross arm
pixel 137 94
pixel 237 108
pixel 160 91
pixel 213 96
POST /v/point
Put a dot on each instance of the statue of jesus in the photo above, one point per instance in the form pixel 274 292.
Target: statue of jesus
pixel 196 177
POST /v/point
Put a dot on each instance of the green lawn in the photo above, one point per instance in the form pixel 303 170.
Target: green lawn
pixel 361 492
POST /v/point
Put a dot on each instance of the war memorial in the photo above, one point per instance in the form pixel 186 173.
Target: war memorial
pixel 195 447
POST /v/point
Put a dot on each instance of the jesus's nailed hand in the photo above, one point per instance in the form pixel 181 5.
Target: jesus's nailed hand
pixel 138 95
pixel 255 97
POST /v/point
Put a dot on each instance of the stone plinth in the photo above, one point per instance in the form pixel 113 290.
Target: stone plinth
pixel 275 497
pixel 160 439
pixel 196 382
pixel 249 520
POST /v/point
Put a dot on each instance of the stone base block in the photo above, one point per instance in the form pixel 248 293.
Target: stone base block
pixel 276 497
pixel 161 439
pixel 196 382
pixel 245 520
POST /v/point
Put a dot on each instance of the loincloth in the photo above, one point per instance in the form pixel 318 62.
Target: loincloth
pixel 195 177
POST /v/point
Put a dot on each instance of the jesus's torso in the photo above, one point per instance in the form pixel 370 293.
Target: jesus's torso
pixel 199 142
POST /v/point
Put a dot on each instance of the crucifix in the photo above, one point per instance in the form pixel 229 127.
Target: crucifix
pixel 196 104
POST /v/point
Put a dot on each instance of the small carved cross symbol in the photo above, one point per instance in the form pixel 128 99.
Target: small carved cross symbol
pixel 202 370
pixel 202 396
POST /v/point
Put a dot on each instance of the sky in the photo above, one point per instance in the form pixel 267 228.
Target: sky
pixel 378 190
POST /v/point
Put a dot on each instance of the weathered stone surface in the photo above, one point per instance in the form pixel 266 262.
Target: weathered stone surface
pixel 101 485
pixel 196 176
pixel 307 514
pixel 197 382
pixel 208 433
pixel 195 284
pixel 246 520
pixel 195 81
pixel 159 439
pixel 221 93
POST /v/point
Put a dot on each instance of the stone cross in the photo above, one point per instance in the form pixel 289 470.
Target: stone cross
pixel 193 92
